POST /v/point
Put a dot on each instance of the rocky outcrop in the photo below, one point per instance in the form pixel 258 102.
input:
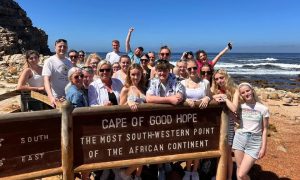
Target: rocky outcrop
pixel 17 33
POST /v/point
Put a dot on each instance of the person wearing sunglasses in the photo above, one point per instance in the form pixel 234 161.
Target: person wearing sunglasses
pixel 31 79
pixel 202 58
pixel 104 91
pixel 206 72
pixel 55 73
pixel 73 56
pixel 74 89
pixel 224 90
pixel 138 52
pixel 164 54
pixel 197 90
pixel 124 64
pixel 146 70
pixel 81 58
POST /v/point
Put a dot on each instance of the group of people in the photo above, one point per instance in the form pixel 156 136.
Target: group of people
pixel 136 77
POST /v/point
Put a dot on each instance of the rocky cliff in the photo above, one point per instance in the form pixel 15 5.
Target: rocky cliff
pixel 17 33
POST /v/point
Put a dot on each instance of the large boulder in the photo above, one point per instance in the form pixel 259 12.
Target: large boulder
pixel 17 34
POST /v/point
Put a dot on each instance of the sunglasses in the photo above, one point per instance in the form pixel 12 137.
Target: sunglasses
pixel 73 57
pixel 164 54
pixel 106 70
pixel 81 55
pixel 194 68
pixel 206 72
pixel 77 76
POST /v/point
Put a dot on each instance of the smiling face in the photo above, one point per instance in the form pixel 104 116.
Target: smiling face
pixel 206 73
pixel 247 93
pixel 192 69
pixel 163 75
pixel 220 79
pixel 77 79
pixel 116 46
pixel 164 54
pixel 73 57
pixel 33 59
pixel 135 76
pixel 144 61
pixel 182 67
pixel 203 57
pixel 125 63
pixel 61 48
pixel 105 72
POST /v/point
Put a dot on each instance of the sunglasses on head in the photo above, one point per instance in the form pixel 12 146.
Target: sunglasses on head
pixel 206 72
pixel 194 68
pixel 77 76
pixel 106 70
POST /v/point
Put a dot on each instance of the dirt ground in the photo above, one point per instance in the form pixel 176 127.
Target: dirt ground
pixel 282 160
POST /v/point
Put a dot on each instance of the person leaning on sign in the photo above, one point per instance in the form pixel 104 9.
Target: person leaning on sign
pixel 105 91
pixel 165 89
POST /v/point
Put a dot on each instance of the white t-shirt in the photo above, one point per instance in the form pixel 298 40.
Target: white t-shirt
pixel 252 116
pixel 112 57
pixel 58 71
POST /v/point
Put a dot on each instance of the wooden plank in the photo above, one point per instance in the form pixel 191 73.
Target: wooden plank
pixel 151 160
pixel 67 140
pixel 9 95
pixel 110 134
pixel 44 99
pixel 29 142
pixel 36 174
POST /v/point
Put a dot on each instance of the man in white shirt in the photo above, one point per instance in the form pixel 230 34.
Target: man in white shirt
pixel 55 72
pixel 114 56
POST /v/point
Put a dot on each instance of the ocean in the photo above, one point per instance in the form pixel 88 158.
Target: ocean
pixel 277 70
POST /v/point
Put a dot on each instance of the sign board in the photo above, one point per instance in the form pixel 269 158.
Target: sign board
pixel 122 135
pixel 29 142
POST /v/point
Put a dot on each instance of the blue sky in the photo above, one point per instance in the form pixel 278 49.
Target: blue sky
pixel 91 25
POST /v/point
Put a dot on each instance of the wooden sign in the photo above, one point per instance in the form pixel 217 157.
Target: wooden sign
pixel 120 134
pixel 29 142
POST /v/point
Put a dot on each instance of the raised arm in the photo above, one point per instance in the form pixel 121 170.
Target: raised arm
pixel 218 57
pixel 127 45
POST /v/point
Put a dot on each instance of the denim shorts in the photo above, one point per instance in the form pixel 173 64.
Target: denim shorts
pixel 247 142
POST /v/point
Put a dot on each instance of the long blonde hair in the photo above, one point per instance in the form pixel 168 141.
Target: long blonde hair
pixel 92 56
pixel 230 86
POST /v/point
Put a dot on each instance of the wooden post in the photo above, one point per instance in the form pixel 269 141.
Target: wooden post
pixel 67 140
pixel 222 165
